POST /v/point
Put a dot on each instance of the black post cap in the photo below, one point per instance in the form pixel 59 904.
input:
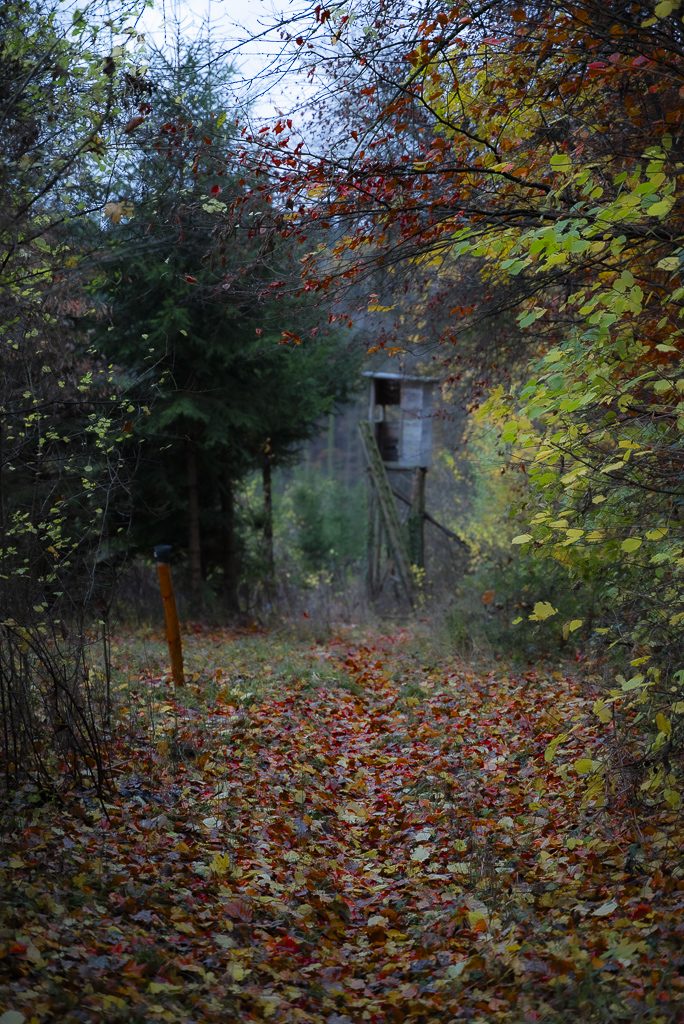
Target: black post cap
pixel 162 553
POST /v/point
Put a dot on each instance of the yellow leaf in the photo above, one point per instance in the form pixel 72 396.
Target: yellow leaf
pixel 664 724
pixel 522 538
pixel 542 610
pixel 585 765
pixel 631 544
pixel 117 211
pixel 185 927
pixel 458 867
pixel 354 814
pixel 477 920
pixel 551 749
pixel 236 971
pixel 670 796
pixel 108 1003
pixel 220 865
pixel 602 711
pixel 665 8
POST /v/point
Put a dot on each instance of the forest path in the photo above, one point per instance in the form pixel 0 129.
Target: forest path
pixel 375 837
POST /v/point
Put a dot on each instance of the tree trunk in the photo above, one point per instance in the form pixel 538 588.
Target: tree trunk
pixel 231 567
pixel 330 454
pixel 194 532
pixel 269 570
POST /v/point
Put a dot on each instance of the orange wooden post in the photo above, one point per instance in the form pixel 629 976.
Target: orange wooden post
pixel 173 637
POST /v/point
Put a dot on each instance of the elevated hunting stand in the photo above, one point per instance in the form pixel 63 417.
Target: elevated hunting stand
pixel 397 438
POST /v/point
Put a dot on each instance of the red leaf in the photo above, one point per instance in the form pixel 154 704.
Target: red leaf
pixel 239 910
pixel 134 123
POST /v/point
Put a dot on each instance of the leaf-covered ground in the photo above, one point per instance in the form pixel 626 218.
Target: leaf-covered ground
pixel 356 832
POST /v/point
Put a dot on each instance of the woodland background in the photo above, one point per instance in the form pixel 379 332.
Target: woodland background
pixel 488 194
pixel 187 295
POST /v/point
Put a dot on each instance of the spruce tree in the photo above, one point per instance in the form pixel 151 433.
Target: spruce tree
pixel 195 324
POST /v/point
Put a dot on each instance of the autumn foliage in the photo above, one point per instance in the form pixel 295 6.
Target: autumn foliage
pixel 355 831
pixel 370 828
pixel 530 154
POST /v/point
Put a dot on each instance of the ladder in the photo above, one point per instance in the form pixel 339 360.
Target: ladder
pixel 388 510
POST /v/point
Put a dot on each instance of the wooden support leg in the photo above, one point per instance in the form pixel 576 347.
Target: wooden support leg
pixel 374 544
pixel 417 519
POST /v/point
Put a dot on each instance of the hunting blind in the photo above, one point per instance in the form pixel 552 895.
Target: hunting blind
pixel 401 410
pixel 397 438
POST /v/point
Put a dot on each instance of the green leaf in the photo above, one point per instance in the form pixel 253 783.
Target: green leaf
pixel 525 319
pixel 522 538
pixel 585 766
pixel 635 683
pixel 561 163
pixel 669 263
pixel 661 208
pixel 631 544
pixel 552 747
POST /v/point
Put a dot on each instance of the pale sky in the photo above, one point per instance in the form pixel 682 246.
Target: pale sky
pixel 234 24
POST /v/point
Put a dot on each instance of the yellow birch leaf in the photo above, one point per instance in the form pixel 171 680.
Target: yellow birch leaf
pixel 542 610
pixel 664 724
pixel 552 747
pixel 602 711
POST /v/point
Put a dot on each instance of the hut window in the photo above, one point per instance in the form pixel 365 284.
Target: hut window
pixel 387 392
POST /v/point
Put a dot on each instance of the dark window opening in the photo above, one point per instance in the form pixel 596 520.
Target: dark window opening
pixel 387 392
pixel 387 435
